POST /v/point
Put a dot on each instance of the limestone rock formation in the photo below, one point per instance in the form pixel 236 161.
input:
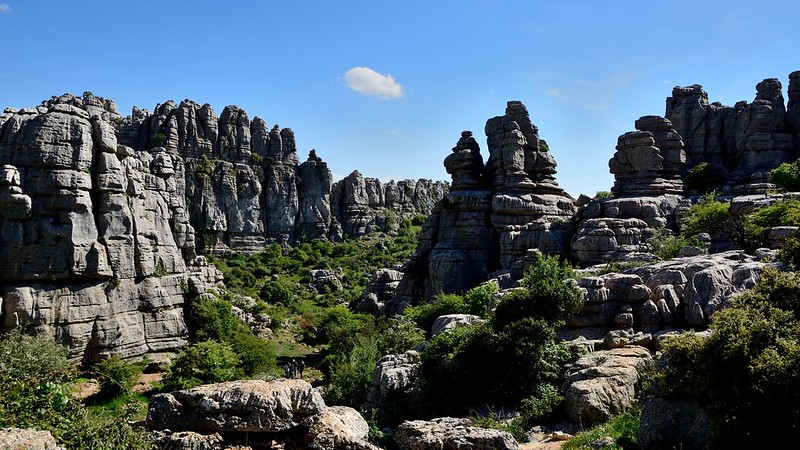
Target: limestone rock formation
pixel 668 424
pixel 237 406
pixel 494 213
pixel 27 439
pixel 102 217
pixel 389 395
pixel 450 433
pixel 448 322
pixel 258 414
pixel 681 292
pixel 604 383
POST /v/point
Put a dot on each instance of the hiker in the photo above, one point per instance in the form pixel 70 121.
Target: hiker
pixel 286 370
pixel 301 366
pixel 293 367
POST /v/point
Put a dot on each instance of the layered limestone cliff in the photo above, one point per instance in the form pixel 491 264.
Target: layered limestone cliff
pixel 102 217
pixel 494 213
pixel 743 143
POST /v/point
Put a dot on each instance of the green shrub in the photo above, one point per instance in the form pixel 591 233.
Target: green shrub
pixel 709 215
pixel 704 177
pixel 548 293
pixel 622 429
pixel 781 213
pixel 478 300
pixel 116 376
pixel 351 376
pixel 599 195
pixel 203 363
pixel 425 314
pixel 790 253
pixel 746 372
pixel 667 246
pixel 401 335
pixel 787 176
pixel 32 395
pixel 275 293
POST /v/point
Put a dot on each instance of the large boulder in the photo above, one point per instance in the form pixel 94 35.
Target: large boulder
pixel 340 427
pixel 238 406
pixel 449 433
pixel 667 425
pixel 605 383
pixel 27 439
pixel 392 382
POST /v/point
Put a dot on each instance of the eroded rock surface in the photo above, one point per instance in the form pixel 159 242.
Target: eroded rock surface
pixel 604 383
pixel 449 433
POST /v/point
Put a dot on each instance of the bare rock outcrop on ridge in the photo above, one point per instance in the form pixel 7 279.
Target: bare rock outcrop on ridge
pixel 494 213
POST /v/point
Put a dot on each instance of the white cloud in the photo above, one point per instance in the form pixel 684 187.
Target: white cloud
pixel 4 8
pixel 367 82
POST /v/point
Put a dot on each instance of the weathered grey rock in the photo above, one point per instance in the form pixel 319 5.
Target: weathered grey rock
pixel 339 428
pixel 238 406
pixel 392 382
pixel 449 434
pixel 604 383
pixel 188 440
pixel 494 214
pixel 27 439
pixel 448 322
pixel 325 281
pixel 666 425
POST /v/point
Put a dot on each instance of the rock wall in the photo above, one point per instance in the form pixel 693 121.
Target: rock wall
pixel 102 217
pixel 650 166
pixel 494 213
pixel 247 190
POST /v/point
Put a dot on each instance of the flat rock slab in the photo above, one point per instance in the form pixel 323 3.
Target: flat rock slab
pixel 449 433
pixel 238 406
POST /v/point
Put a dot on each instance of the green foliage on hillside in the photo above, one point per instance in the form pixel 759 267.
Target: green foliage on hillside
pixel 787 176
pixel 704 177
pixel 746 373
pixel 203 363
pixel 512 360
pixel 34 394
pixel 116 376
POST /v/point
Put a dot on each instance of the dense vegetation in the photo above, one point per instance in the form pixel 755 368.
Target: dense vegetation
pixel 34 393
pixel 746 372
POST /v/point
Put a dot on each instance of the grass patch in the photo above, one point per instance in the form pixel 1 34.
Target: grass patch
pixel 622 428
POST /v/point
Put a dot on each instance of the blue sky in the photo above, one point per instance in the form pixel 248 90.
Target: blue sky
pixel 585 69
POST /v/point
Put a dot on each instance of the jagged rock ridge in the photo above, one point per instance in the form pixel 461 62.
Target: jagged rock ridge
pixel 494 213
pixel 100 215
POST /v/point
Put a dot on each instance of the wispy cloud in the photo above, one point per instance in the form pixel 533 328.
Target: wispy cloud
pixel 5 8
pixel 592 95
pixel 396 132
pixel 368 82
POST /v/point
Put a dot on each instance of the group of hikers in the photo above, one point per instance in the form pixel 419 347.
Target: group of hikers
pixel 294 368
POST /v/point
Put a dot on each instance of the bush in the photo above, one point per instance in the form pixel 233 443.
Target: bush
pixel 116 376
pixel 401 335
pixel 790 253
pixel 599 195
pixel 425 314
pixel 782 213
pixel 709 215
pixel 745 374
pixel 351 376
pixel 275 293
pixel 203 363
pixel 704 177
pixel 667 246
pixel 549 293
pixel 478 300
pixel 32 395
pixel 787 176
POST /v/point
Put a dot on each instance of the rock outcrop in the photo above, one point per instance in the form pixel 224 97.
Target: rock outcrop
pixel 681 292
pixel 494 213
pixel 393 379
pixel 604 383
pixel 27 439
pixel 289 413
pixel 102 217
pixel 450 433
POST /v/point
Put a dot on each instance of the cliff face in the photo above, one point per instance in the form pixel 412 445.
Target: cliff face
pixel 100 215
pixel 494 213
